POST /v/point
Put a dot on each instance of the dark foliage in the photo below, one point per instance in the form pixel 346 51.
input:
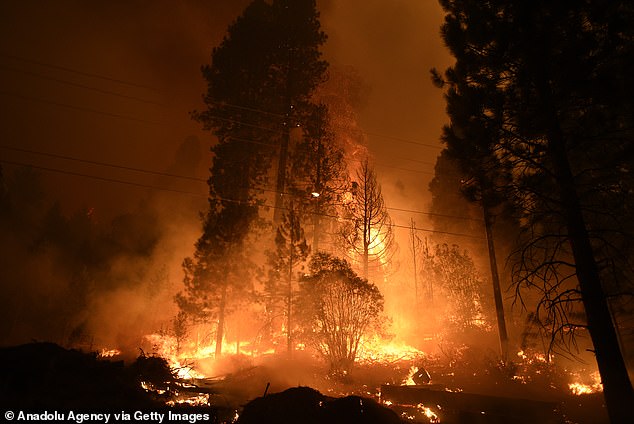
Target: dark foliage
pixel 308 406
pixel 45 375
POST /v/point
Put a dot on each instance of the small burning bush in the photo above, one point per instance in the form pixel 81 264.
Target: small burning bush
pixel 338 308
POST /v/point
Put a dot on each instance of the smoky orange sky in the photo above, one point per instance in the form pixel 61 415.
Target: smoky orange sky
pixel 114 81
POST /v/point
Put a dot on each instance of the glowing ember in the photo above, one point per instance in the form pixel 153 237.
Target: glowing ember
pixel 420 412
pixel 108 353
pixel 431 415
pixel 198 400
pixel 149 387
pixel 534 357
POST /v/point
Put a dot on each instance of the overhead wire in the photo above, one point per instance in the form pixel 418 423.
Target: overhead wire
pixel 76 71
pixel 136 84
pixel 106 179
pixel 186 177
pixel 93 162
pixel 75 84
pixel 128 117
pixel 158 123
pixel 401 139
pixel 80 108
pixel 191 193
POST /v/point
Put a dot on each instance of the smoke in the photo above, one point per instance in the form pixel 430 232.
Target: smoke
pixel 92 283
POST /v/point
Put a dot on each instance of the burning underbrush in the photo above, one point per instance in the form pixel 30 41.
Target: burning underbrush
pixel 463 384
pixel 450 385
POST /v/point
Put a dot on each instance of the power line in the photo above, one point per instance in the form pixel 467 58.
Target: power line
pixel 135 84
pixel 127 168
pixel 250 109
pixel 78 72
pixel 403 140
pixel 92 162
pixel 466 218
pixel 196 179
pixel 412 160
pixel 382 165
pixel 106 179
pixel 83 109
pixel 116 115
pixel 247 140
pixel 74 84
pixel 135 184
pixel 127 117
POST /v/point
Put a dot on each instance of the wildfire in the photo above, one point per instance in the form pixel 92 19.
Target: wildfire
pixel 108 353
pixel 198 400
pixel 180 362
pixel 415 374
pixel 534 357
pixel 376 350
pixel 419 412
pixel 595 386
pixel 431 415
pixel 409 380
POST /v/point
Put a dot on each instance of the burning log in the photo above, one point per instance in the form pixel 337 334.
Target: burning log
pixel 471 407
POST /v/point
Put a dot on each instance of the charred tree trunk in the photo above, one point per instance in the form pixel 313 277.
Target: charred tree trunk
pixel 617 388
pixel 414 247
pixel 319 195
pixel 366 231
pixel 289 301
pixel 220 331
pixel 316 227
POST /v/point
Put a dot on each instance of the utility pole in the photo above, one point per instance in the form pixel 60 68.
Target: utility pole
pixel 497 292
pixel 414 246
pixel 280 185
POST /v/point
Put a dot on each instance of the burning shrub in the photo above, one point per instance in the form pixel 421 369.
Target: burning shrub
pixel 339 308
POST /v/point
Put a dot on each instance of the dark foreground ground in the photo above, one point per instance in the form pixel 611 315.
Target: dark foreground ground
pixel 45 379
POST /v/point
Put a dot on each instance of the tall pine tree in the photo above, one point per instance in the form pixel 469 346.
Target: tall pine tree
pixel 559 73
pixel 260 82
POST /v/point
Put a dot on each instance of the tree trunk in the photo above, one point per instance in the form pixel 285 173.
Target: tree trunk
pixel 221 321
pixel 316 226
pixel 617 388
pixel 495 278
pixel 289 301
pixel 414 247
pixel 318 189
pixel 280 184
